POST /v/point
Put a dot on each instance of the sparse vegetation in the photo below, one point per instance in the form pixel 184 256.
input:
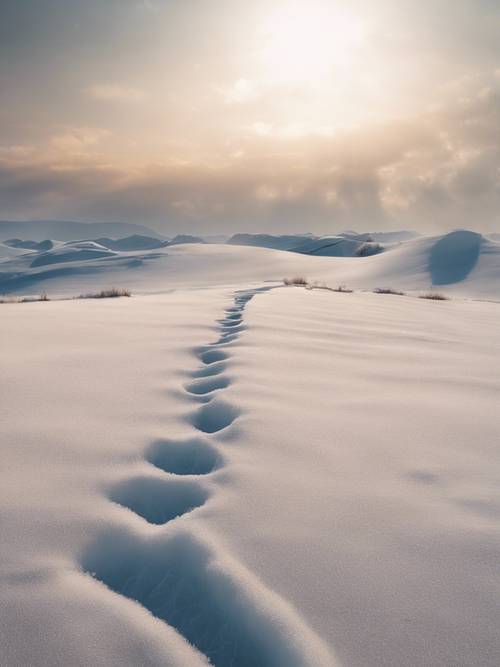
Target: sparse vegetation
pixel 301 281
pixel 29 299
pixel 388 290
pixel 434 296
pixel 112 293
pixel 103 294
pixel 297 280
pixel 26 299
pixel 339 288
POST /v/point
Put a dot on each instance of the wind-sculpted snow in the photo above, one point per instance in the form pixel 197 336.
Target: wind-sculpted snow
pixel 464 263
pixel 352 503
pixel 211 601
pixel 70 255
pixel 454 256
pixel 40 246
pixel 188 582
pixel 131 243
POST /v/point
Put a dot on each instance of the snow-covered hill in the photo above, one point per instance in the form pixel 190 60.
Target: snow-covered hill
pixel 460 263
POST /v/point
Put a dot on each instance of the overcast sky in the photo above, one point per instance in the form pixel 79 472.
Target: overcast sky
pixel 230 115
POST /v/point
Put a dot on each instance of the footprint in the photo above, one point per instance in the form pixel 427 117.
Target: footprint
pixel 234 315
pixel 221 610
pixel 227 337
pixel 157 500
pixel 207 385
pixel 228 324
pixel 214 416
pixel 210 370
pixel 188 457
pixel 211 356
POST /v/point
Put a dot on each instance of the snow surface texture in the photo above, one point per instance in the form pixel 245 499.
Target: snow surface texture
pixel 461 263
pixel 220 609
pixel 253 475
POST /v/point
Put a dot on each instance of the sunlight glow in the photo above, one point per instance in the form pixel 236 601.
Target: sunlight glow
pixel 306 42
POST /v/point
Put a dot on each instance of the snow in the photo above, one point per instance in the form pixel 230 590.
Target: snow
pixel 223 468
pixel 462 264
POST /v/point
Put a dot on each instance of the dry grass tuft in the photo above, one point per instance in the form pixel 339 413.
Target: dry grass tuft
pixel 434 296
pixel 388 290
pixel 112 293
pixel 296 280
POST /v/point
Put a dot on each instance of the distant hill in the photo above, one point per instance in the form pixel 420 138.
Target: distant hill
pixel 186 238
pixel 275 242
pixel 345 245
pixel 39 230
pixel 131 243
pixel 393 237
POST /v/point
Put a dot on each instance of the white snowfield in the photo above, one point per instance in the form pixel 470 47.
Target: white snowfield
pixel 223 470
pixel 460 263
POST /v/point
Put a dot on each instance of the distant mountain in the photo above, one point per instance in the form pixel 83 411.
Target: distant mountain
pixel 215 238
pixel 186 238
pixel 62 230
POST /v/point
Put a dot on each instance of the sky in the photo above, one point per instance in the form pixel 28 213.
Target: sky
pixel 221 116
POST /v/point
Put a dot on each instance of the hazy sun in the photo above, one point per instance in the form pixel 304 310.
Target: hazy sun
pixel 305 42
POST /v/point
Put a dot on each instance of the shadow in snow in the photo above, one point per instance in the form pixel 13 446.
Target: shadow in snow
pixel 454 256
pixel 207 385
pixel 211 356
pixel 178 579
pixel 210 370
pixel 214 416
pixel 184 457
pixel 157 500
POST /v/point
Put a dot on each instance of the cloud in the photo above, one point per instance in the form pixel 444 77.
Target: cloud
pixel 77 139
pixel 434 171
pixel 241 92
pixel 114 92
pixel 407 136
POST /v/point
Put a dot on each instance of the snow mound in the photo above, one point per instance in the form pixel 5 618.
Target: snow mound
pixel 348 244
pixel 30 245
pixel 72 252
pixel 339 246
pixel 131 243
pixel 461 263
pixel 281 242
pixel 454 256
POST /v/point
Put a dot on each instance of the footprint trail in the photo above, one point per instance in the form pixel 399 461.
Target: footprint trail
pixel 181 578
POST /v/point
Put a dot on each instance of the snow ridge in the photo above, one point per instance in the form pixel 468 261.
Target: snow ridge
pixel 184 579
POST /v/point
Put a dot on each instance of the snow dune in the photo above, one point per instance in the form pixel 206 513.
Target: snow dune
pixel 234 472
pixel 460 263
